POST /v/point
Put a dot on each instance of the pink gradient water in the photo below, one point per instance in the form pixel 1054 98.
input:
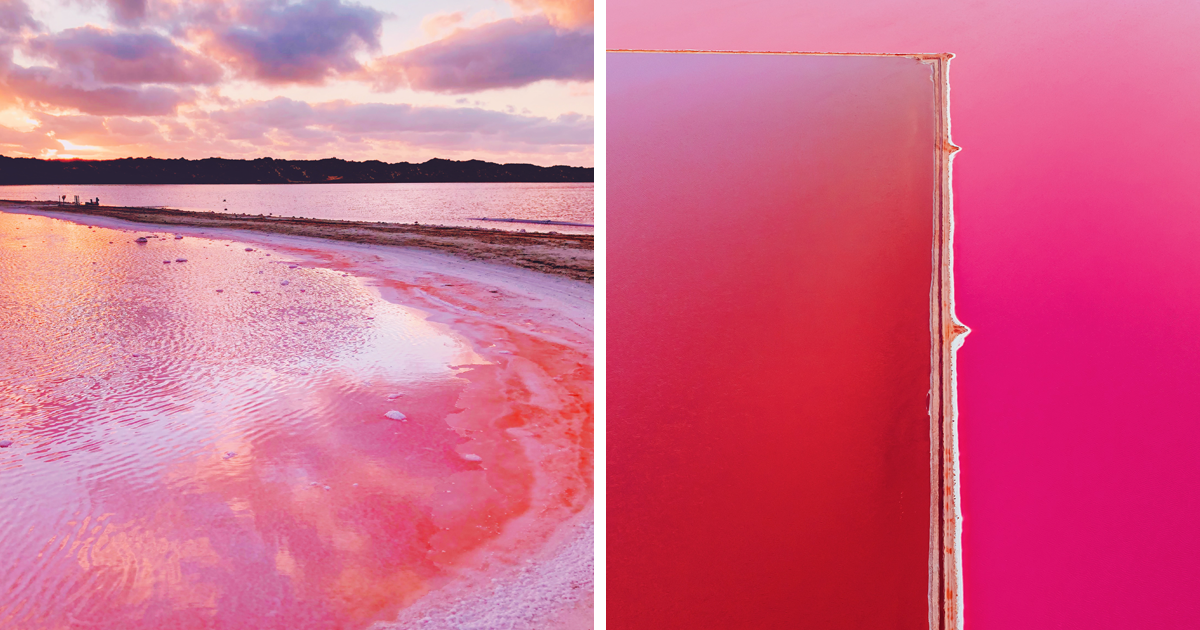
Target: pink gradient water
pixel 200 441
pixel 769 446
pixel 1077 266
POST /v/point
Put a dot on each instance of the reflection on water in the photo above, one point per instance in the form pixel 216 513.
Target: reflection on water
pixel 438 203
pixel 189 458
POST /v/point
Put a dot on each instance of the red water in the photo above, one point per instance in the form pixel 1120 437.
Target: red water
pixel 770 230
pixel 188 458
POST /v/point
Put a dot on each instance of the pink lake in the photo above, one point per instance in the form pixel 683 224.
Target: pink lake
pixel 190 454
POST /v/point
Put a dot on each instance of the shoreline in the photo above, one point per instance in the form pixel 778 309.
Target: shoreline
pixel 567 255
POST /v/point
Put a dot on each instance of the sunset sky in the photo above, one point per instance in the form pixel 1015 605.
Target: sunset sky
pixel 498 80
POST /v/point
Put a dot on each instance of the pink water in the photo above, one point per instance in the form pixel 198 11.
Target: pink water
pixel 1077 247
pixel 189 458
pixel 442 203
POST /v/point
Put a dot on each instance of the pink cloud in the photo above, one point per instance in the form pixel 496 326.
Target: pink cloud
pixel 91 53
pixel 435 25
pixel 305 42
pixel 503 54
pixel 431 127
pixel 46 87
pixel 68 126
pixel 29 143
pixel 97 130
pixel 15 20
pixel 127 128
pixel 127 11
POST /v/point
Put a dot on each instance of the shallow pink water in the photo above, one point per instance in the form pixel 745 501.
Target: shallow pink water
pixel 189 458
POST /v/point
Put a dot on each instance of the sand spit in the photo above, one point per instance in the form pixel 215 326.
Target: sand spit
pixel 569 255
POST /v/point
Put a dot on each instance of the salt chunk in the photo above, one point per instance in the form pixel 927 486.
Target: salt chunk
pixel 5 443
pixel 285 283
pixel 249 249
pixel 471 457
pixel 230 455
pixel 178 236
pixel 220 290
pixel 291 266
pixel 396 415
pixel 180 260
pixel 255 291
pixel 140 239
pixel 394 396
pixel 166 262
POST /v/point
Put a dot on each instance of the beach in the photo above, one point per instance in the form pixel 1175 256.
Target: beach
pixel 504 488
pixel 568 255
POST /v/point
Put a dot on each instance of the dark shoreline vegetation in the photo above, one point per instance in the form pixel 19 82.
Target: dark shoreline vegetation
pixel 149 170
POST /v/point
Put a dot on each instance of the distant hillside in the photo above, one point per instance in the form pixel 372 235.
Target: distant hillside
pixel 17 171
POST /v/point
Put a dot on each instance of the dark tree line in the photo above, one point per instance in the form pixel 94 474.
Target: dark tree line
pixel 17 171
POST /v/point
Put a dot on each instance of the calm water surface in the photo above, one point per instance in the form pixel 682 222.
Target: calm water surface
pixel 438 203
pixel 188 458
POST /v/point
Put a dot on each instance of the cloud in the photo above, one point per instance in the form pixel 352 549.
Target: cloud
pixel 72 126
pixel 94 54
pixel 435 25
pixel 502 54
pixel 127 11
pixel 97 130
pixel 48 87
pixel 127 128
pixel 305 42
pixel 430 127
pixel 294 129
pixel 564 13
pixel 15 19
pixel 27 143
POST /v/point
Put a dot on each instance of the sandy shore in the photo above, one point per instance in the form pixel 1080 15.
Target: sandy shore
pixel 568 255
pixel 538 573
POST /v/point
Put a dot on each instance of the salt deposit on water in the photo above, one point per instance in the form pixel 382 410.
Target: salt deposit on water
pixel 163 436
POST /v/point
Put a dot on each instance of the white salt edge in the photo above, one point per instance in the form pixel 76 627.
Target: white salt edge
pixel 471 457
pixel 395 415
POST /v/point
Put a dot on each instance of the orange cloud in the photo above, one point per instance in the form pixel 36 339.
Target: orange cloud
pixel 563 13
pixel 435 25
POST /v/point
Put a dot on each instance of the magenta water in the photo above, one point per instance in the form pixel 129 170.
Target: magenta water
pixel 200 433
pixel 438 203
